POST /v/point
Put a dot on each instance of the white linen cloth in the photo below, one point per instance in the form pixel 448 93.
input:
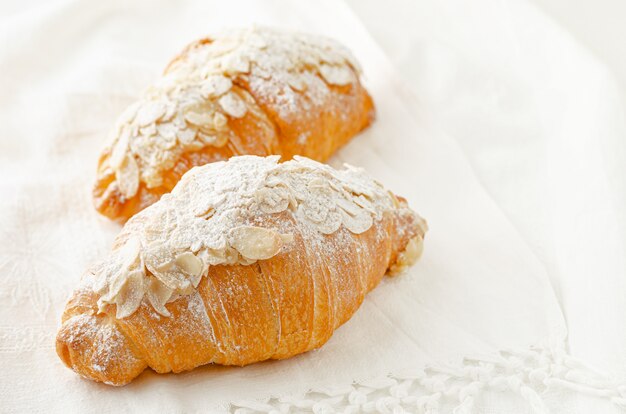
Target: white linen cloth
pixel 543 125
pixel 69 68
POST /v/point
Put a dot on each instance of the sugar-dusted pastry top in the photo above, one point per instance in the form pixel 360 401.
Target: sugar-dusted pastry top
pixel 215 215
pixel 190 106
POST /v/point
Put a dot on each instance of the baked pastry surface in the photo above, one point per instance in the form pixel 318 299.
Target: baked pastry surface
pixel 256 91
pixel 246 260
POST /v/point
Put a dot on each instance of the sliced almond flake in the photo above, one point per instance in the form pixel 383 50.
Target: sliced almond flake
pixel 149 130
pixel 152 179
pixel 311 59
pixel 199 118
pixel 168 158
pixel 297 83
pixel 244 261
pixel 129 253
pixel 134 130
pixel 116 283
pixel 394 199
pixel 348 206
pixel 337 75
pixel 211 68
pixel 223 45
pixel 187 135
pixel 233 105
pixel 255 243
pixel 157 256
pixel 262 73
pixel 305 163
pixel 106 171
pixel 216 140
pixel 127 176
pixel 174 280
pixel 215 85
pixel 213 257
pixel 189 264
pixel 158 295
pixel 195 279
pixel 130 296
pixel 180 67
pixel 367 204
pixel 170 111
pixel 335 186
pixel 358 189
pixel 193 96
pixel 356 224
pixel 272 200
pixel 120 149
pixel 331 224
pixel 167 134
pixel 220 122
pixel 318 183
pixel 149 113
pixel 99 276
pixel 179 121
pixel 326 55
pixel 231 256
pixel 315 211
pixel 234 64
pixel 102 304
pixel 293 203
pixel 196 246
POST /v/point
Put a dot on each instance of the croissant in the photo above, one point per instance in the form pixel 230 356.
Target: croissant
pixel 257 92
pixel 246 260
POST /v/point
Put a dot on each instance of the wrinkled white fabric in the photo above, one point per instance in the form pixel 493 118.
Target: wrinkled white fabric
pixel 69 68
pixel 543 125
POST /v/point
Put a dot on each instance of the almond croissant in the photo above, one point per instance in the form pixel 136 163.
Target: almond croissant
pixel 246 260
pixel 256 92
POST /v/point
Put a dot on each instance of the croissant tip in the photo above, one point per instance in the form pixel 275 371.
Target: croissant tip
pixel 97 350
pixel 406 258
pixel 64 352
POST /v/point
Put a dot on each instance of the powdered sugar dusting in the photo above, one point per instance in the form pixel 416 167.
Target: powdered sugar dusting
pixel 215 216
pixel 189 108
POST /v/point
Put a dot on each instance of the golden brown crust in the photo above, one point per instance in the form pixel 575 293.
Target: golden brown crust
pixel 273 309
pixel 316 125
pixel 246 260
